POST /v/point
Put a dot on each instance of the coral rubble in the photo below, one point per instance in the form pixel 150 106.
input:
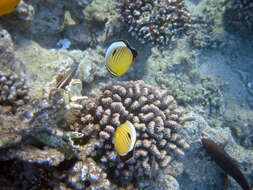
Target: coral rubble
pixel 88 172
pixel 159 22
pixel 208 29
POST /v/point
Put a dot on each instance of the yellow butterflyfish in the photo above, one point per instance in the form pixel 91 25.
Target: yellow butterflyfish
pixel 124 139
pixel 119 57
pixel 7 6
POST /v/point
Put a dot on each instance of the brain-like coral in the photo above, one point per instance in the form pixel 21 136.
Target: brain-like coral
pixel 159 21
pixel 156 117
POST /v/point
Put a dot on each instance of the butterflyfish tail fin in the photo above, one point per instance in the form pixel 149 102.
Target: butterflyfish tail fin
pixel 127 156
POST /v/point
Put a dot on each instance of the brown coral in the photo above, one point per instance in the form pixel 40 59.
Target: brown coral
pixel 87 171
pixel 88 135
pixel 157 119
pixel 159 22
pixel 13 90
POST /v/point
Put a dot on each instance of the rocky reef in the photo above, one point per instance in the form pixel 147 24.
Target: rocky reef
pixel 14 92
pixel 70 148
pixel 87 135
pixel 57 138
pixel 160 22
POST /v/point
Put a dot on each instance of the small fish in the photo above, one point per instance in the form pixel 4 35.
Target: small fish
pixel 223 160
pixel 66 78
pixel 124 140
pixel 119 57
pixel 7 6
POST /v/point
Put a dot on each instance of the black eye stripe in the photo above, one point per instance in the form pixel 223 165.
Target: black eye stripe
pixel 119 54
pixel 129 135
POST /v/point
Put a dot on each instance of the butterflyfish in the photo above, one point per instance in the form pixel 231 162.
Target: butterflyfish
pixel 124 140
pixel 65 79
pixel 224 161
pixel 119 57
pixel 7 6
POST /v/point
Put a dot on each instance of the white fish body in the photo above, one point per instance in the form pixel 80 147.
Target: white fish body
pixel 112 47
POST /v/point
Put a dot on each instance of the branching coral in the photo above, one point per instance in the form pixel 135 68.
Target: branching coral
pixel 156 117
pixel 159 22
pixel 13 90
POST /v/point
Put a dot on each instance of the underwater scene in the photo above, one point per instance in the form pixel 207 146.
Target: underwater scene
pixel 126 94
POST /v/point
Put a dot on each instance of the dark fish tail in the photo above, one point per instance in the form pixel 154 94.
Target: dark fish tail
pixel 128 156
pixel 225 162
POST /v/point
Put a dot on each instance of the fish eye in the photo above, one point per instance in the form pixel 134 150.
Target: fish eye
pixel 129 135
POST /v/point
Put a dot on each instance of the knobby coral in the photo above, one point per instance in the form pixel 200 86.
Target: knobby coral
pixel 158 122
pixel 13 90
pixel 159 21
